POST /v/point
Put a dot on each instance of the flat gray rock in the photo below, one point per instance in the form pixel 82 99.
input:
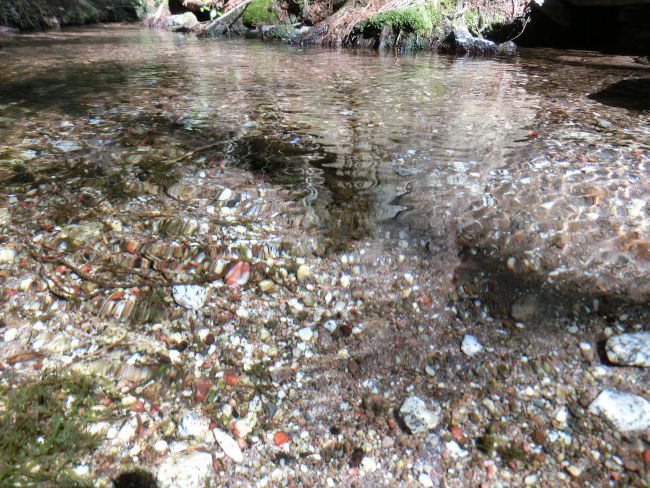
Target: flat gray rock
pixel 629 349
pixel 626 411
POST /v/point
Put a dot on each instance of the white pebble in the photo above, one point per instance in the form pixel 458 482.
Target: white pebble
pixel 160 446
pixel 229 445
pixel 425 480
pixel 330 325
pixel 471 345
pixel 628 412
pixel 192 297
pixel 306 334
pixel 10 334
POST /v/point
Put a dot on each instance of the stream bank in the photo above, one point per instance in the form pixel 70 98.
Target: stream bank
pixel 48 14
pixel 449 26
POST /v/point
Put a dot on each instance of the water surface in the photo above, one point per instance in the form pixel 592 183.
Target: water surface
pixel 517 157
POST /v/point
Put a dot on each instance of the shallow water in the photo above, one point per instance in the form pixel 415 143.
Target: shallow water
pixel 510 157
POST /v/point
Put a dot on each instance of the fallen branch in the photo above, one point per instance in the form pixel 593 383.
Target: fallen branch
pixel 222 18
pixel 198 150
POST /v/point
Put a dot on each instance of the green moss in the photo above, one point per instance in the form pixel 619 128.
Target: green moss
pixel 511 453
pixel 259 12
pixel 472 20
pixel 42 430
pixel 80 15
pixel 486 443
pixel 417 19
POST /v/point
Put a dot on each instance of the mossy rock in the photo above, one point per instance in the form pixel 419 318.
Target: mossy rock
pixel 409 19
pixel 259 12
pixel 283 32
pixel 419 19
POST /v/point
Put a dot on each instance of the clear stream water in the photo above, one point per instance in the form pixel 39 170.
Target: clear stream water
pixel 524 156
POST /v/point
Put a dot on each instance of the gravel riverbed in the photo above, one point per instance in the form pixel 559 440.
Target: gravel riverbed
pixel 235 327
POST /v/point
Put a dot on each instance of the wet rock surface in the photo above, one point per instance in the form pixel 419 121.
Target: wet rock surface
pixel 626 411
pixel 260 307
pixel 632 349
pixel 185 469
pixel 182 22
pixel 461 41
pixel 418 417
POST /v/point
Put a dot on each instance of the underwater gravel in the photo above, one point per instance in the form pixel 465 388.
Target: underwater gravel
pixel 297 368
pixel 236 342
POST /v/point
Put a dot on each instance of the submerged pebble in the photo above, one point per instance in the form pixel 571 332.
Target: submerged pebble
pixel 418 417
pixel 470 345
pixel 626 411
pixel 192 297
pixel 189 470
pixel 229 445
pixel 631 349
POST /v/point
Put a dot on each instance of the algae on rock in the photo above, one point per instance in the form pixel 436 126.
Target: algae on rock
pixel 43 430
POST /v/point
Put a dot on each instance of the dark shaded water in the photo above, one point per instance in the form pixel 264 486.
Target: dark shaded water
pixel 511 156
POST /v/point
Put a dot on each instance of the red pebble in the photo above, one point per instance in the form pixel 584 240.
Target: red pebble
pixel 130 247
pixel 117 295
pixel 646 455
pixel 7 293
pixel 456 433
pixel 230 377
pixel 280 437
pixel 202 388
pixel 238 274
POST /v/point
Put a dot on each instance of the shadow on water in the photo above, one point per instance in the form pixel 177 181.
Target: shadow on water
pixel 632 94
pixel 68 89
pixel 485 275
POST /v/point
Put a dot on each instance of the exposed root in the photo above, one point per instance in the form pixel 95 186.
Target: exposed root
pixel 159 18
pixel 337 29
